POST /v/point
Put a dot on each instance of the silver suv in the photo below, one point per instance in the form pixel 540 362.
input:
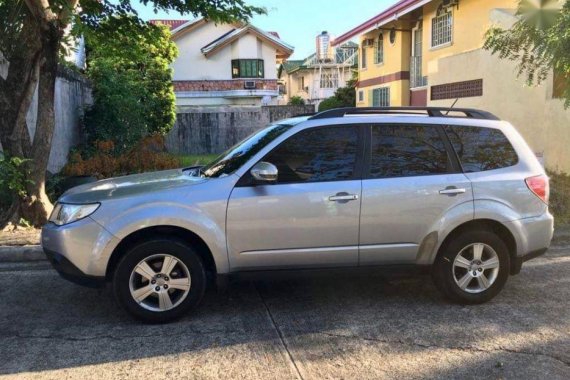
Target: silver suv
pixel 457 192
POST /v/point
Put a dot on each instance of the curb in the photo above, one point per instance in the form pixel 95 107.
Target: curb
pixel 23 253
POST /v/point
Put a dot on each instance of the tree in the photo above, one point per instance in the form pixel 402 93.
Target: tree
pixel 132 87
pixel 32 37
pixel 539 42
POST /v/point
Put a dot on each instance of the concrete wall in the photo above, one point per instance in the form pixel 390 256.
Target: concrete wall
pixel 542 120
pixel 72 95
pixel 206 130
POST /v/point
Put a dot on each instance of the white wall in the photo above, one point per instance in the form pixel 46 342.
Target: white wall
pixel 192 64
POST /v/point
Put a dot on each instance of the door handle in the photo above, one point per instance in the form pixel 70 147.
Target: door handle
pixel 340 197
pixel 452 190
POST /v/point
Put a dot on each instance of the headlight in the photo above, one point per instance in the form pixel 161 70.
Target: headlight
pixel 64 213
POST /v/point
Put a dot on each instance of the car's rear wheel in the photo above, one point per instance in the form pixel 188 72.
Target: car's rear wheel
pixel 159 280
pixel 472 268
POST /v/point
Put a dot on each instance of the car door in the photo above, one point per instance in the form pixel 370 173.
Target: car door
pixel 412 182
pixel 310 216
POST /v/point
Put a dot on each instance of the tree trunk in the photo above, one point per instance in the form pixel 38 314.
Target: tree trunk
pixel 17 90
pixel 38 55
pixel 36 208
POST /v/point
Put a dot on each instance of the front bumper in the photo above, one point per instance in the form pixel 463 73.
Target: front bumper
pixel 79 251
pixel 70 272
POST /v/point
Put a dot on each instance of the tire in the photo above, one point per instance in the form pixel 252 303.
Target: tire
pixel 451 274
pixel 163 297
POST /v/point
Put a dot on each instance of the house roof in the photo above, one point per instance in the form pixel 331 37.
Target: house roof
pixel 172 24
pixel 290 66
pixel 401 8
pixel 284 50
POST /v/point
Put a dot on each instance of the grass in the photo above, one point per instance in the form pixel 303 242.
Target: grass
pixel 196 159
pixel 560 197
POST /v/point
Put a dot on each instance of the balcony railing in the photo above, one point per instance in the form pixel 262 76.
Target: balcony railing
pixel 416 78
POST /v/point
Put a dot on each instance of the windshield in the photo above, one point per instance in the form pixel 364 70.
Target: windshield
pixel 236 156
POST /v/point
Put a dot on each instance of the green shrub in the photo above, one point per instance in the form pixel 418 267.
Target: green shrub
pixel 129 66
pixel 13 180
pixel 330 103
pixel 560 197
pixel 296 101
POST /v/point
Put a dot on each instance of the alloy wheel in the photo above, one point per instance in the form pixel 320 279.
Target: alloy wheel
pixel 476 268
pixel 160 282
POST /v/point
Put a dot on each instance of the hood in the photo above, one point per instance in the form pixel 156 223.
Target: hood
pixel 127 186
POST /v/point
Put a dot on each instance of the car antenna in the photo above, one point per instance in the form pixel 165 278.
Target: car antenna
pixel 453 105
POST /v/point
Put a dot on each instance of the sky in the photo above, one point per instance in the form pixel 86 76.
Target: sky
pixel 299 21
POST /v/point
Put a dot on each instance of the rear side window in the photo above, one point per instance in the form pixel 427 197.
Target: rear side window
pixel 407 150
pixel 481 149
pixel 316 155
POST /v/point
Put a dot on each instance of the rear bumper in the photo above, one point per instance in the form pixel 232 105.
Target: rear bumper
pixel 70 272
pixel 517 265
pixel 533 236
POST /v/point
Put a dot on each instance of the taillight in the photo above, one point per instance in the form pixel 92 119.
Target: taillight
pixel 539 186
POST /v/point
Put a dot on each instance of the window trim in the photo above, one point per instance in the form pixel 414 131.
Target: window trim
pixel 239 76
pixel 247 180
pixel 447 43
pixel 378 89
pixel 379 47
pixel 363 58
pixel 454 165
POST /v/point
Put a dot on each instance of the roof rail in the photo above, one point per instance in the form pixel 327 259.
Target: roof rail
pixel 430 111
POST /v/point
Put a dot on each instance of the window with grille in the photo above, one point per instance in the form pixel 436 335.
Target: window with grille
pixel 247 68
pixel 329 79
pixel 381 97
pixel 379 50
pixel 360 96
pixel 441 27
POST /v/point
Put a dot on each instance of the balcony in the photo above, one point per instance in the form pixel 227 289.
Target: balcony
pixel 416 78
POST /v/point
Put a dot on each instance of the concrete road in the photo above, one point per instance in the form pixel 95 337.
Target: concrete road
pixel 326 328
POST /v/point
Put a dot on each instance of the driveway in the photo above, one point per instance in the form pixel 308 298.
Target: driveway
pixel 333 327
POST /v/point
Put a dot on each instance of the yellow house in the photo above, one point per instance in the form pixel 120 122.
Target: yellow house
pixel 429 52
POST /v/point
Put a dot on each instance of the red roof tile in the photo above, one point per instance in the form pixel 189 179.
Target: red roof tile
pixel 173 24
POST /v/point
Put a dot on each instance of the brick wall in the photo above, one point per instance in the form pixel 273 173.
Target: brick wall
pixel 223 85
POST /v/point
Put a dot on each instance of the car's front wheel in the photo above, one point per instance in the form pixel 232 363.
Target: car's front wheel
pixel 159 280
pixel 473 268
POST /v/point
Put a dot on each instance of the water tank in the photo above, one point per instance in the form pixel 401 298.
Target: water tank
pixel 323 46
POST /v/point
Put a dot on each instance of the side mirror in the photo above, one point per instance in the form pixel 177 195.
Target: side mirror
pixel 264 172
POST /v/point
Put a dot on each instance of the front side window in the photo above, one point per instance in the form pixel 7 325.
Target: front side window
pixel 480 149
pixel 317 155
pixel 379 50
pixel 360 96
pixel 247 68
pixel 407 150
pixel 441 27
pixel 381 97
pixel 363 58
pixel 236 156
